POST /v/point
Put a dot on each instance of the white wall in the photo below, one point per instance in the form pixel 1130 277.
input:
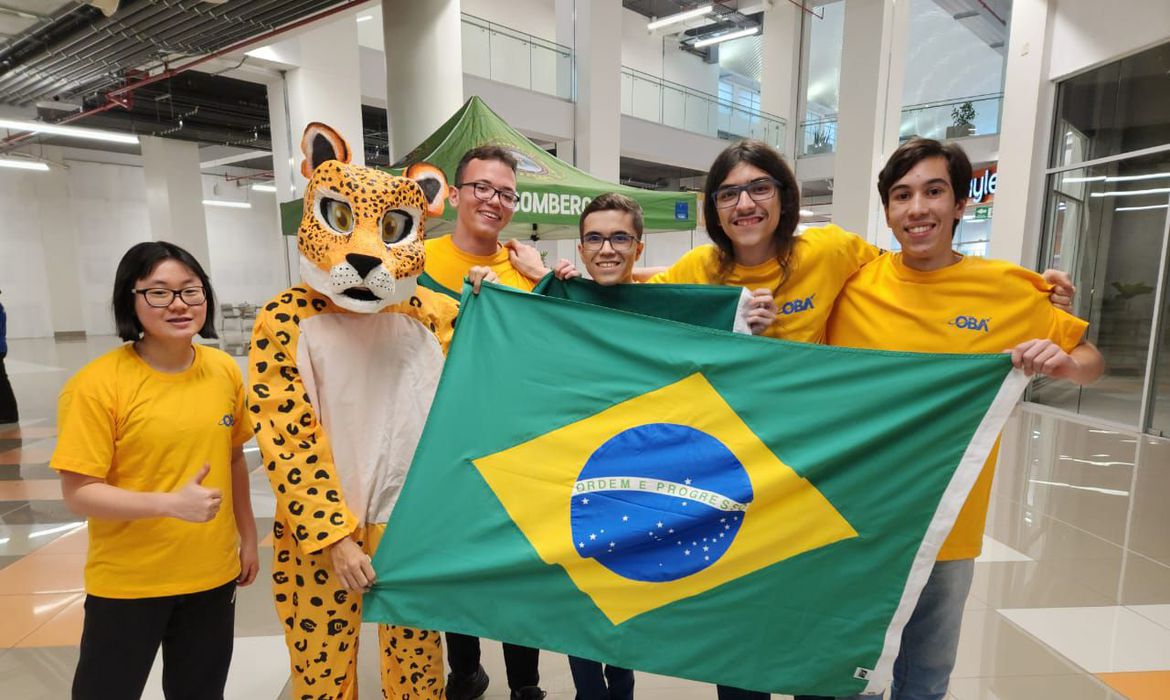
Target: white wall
pixel 535 17
pixel 1086 34
pixel 660 57
pixel 107 205
pixel 945 60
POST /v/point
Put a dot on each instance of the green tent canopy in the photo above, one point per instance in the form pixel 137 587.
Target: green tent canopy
pixel 552 192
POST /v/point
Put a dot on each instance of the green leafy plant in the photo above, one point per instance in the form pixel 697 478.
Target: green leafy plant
pixel 964 114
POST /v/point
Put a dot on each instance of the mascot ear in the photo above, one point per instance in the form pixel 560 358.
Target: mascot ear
pixel 319 144
pixel 433 184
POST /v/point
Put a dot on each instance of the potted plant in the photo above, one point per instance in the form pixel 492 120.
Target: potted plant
pixel 963 117
pixel 820 143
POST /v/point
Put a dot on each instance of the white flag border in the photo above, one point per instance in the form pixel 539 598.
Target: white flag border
pixel 949 506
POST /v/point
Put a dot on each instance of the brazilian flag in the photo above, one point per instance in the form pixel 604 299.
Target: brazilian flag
pixel 683 500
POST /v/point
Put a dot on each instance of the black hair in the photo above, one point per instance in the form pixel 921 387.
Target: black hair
pixel 915 151
pixel 768 159
pixel 613 201
pixel 488 152
pixel 138 263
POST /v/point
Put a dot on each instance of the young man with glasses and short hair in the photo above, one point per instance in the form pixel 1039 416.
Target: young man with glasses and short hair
pixel 485 198
pixel 611 243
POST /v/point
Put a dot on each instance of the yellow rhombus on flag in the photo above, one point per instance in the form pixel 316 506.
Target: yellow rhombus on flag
pixel 540 482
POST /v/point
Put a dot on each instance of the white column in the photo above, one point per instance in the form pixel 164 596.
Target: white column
pixel 872 67
pixel 323 84
pixel 59 233
pixel 598 47
pixel 174 195
pixel 326 87
pixel 424 68
pixel 1024 139
pixel 781 57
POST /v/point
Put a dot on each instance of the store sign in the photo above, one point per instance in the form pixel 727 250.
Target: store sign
pixel 983 182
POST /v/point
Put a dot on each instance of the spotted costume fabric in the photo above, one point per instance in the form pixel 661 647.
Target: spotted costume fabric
pixel 342 371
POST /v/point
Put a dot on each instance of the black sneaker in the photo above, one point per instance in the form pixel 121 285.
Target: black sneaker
pixel 530 692
pixel 464 687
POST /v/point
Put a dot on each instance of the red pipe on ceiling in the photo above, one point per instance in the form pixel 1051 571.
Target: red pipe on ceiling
pixel 121 97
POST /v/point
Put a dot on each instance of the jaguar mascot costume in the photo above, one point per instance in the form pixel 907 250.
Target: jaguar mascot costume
pixel 343 368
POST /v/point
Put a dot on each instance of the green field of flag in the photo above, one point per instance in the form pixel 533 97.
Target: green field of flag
pixel 683 500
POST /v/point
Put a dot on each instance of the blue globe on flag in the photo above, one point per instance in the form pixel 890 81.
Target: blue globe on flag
pixel 659 502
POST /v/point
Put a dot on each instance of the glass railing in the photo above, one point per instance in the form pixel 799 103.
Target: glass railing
pixel 817 136
pixel 977 115
pixel 651 98
pixel 499 53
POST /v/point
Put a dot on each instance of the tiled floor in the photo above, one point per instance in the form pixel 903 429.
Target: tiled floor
pixel 1071 598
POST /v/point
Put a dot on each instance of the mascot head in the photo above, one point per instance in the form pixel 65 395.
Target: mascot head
pixel 361 235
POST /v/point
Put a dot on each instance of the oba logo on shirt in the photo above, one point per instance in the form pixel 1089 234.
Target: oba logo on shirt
pixel 228 420
pixel 659 502
pixel 795 306
pixel 970 323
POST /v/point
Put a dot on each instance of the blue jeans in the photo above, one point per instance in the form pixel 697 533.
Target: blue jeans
pixel 614 683
pixel 930 639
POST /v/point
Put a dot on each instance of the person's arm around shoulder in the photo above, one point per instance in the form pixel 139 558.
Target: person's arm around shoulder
pixel 1083 365
pixel 526 259
pixel 93 497
pixel 1063 290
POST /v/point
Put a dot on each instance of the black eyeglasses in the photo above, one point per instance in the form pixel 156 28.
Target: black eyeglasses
pixel 620 242
pixel 161 297
pixel 484 193
pixel 759 190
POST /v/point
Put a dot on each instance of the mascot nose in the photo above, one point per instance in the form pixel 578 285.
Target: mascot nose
pixel 363 263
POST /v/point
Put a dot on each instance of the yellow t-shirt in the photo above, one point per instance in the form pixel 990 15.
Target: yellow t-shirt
pixel 822 260
pixel 973 306
pixel 447 265
pixel 144 430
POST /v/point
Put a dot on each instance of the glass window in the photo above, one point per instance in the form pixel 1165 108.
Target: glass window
pixel 1106 225
pixel 1118 108
pixel 1160 407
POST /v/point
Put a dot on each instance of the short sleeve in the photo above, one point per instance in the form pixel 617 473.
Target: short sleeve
pixel 241 428
pixel 1067 330
pixel 86 429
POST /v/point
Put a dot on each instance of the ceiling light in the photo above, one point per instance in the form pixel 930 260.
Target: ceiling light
pixel 726 37
pixel 364 18
pixel 1131 193
pixel 264 188
pixel 1152 206
pixel 23 164
pixel 223 203
pixel 807 212
pixel 1098 178
pixel 677 17
pixel 68 131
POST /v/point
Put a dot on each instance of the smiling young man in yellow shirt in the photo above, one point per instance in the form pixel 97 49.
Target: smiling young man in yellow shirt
pixel 929 298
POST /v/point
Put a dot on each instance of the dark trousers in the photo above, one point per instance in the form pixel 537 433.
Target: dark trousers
pixel 120 638
pixel 725 692
pixel 593 682
pixel 519 662
pixel 8 412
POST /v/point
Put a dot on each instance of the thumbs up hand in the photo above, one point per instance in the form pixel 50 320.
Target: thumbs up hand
pixel 195 502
